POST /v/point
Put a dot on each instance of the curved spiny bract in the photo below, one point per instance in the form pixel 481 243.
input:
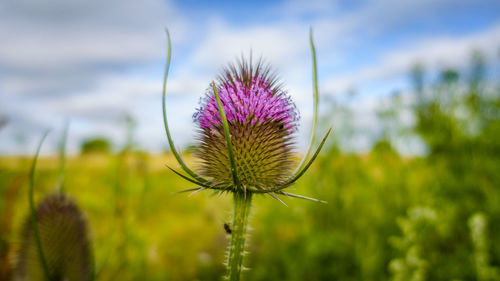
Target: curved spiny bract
pixel 63 236
pixel 262 120
pixel 315 104
pixel 165 121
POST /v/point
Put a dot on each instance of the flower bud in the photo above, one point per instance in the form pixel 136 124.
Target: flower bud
pixel 63 237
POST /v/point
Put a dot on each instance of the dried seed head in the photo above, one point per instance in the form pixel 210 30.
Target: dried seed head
pixel 63 236
pixel 262 121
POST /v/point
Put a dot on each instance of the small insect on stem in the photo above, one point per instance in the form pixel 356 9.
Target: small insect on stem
pixel 227 228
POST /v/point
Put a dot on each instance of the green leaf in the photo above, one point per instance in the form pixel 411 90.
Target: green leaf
pixel 34 225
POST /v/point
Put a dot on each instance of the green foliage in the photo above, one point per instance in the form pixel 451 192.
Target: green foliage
pixel 418 229
pixel 95 145
pixel 478 225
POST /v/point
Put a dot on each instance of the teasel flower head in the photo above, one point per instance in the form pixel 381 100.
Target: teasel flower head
pixel 62 233
pixel 246 129
pixel 246 126
pixel 262 121
pixel 55 243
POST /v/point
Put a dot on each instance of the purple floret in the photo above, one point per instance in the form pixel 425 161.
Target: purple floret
pixel 247 103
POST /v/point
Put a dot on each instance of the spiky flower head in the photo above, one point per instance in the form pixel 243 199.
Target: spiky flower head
pixel 246 133
pixel 262 120
pixel 63 236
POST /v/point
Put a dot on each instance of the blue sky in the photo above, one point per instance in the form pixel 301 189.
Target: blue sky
pixel 93 62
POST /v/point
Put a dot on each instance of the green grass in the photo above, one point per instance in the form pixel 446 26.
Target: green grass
pixel 142 231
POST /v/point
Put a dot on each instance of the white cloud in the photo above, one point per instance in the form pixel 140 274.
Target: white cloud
pixel 55 45
pixel 433 53
pixel 96 60
pixel 279 44
pixel 79 60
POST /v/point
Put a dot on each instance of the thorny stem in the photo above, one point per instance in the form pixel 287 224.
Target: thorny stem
pixel 242 203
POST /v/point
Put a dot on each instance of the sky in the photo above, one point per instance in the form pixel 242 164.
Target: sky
pixel 91 63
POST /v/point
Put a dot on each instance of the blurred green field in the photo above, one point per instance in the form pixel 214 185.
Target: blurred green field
pixel 388 217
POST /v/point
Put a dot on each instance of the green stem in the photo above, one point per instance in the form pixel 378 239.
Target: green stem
pixel 33 217
pixel 62 158
pixel 242 204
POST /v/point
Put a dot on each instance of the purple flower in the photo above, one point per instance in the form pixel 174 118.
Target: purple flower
pixel 253 101
pixel 262 120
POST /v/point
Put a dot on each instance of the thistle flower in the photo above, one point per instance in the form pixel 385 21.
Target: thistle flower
pixel 246 128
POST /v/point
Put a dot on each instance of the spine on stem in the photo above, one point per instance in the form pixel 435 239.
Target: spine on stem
pixel 242 203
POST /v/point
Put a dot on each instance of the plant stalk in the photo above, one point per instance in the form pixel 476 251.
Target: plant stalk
pixel 33 217
pixel 242 203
